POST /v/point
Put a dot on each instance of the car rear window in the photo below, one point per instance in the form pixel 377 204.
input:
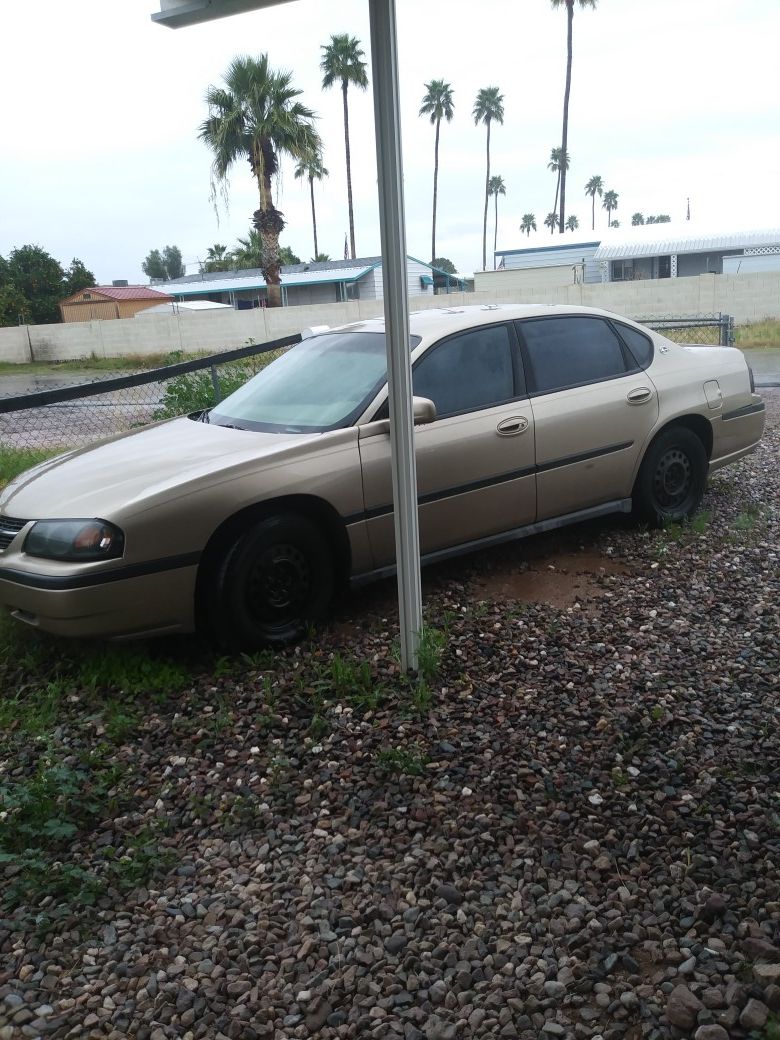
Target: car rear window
pixel 570 351
pixel 640 346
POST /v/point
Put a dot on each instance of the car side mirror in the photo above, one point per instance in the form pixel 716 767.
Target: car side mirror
pixel 424 410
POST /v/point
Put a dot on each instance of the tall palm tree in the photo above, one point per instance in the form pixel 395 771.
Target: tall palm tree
pixel 436 103
pixel 572 223
pixel 496 187
pixel 342 63
pixel 528 223
pixel 610 204
pixel 569 5
pixel 311 167
pixel 555 165
pixel 594 187
pixel 256 116
pixel 488 106
pixel 551 221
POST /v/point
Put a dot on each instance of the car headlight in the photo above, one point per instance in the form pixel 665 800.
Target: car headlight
pixel 78 540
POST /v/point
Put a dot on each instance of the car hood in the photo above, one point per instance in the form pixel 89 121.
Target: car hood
pixel 131 469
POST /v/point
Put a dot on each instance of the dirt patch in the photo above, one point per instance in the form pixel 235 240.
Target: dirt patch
pixel 558 578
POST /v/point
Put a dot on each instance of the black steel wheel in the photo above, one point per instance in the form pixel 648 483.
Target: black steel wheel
pixel 276 579
pixel 672 477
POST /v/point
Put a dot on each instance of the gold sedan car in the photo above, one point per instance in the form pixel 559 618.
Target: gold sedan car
pixel 245 518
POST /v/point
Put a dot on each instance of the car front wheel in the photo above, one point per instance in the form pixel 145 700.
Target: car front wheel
pixel 276 579
pixel 672 477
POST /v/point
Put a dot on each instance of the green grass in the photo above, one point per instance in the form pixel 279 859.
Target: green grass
pixel 66 708
pixel 760 334
pixel 93 363
pixel 410 761
pixel 14 461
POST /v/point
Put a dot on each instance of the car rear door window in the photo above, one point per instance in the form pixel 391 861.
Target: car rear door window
pixel 570 351
pixel 469 371
pixel 640 346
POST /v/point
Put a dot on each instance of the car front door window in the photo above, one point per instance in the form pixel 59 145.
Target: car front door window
pixel 467 372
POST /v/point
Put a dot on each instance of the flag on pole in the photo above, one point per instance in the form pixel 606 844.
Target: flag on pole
pixel 346 247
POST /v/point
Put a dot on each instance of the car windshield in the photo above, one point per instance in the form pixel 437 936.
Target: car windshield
pixel 323 383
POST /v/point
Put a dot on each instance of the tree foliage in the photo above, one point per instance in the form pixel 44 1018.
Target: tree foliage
pixel 31 275
pixel 443 264
pixel 218 258
pixel 78 277
pixel 287 257
pixel 165 264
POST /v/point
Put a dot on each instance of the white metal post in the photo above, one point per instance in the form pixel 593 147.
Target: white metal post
pixel 384 59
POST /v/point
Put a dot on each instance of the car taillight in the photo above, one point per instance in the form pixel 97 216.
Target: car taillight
pixel 752 380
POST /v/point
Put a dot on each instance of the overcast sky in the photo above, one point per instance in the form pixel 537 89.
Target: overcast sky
pixel 670 99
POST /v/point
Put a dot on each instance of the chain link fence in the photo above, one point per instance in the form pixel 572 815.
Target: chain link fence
pixel 714 329
pixel 72 416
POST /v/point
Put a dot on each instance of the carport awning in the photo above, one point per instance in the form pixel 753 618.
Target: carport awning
pixel 641 241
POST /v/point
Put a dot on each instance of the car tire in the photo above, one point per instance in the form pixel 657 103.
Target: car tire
pixel 275 580
pixel 672 477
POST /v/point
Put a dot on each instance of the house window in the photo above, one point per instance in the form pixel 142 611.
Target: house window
pixel 87 296
pixel 622 270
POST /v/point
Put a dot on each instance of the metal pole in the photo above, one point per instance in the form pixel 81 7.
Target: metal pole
pixel 384 59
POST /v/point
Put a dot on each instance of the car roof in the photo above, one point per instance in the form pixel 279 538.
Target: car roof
pixel 438 321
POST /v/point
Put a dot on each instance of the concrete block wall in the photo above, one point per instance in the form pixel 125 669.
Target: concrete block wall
pixel 748 297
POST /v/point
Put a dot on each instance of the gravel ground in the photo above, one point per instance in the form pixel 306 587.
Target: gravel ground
pixel 577 836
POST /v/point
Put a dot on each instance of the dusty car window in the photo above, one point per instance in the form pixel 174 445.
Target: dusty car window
pixel 566 352
pixel 321 384
pixel 467 372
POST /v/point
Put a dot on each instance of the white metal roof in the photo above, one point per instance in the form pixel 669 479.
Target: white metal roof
pixel 685 237
pixel 184 307
pixel 235 283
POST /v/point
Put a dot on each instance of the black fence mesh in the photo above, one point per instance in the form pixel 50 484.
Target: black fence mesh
pixel 69 417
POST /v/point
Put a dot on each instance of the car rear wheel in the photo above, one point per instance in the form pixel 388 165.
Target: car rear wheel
pixel 672 477
pixel 276 579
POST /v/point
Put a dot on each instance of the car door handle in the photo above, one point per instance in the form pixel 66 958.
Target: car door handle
pixel 639 395
pixel 512 426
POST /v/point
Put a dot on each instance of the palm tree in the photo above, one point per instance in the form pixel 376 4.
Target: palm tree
pixel 610 203
pixel 594 187
pixel 551 221
pixel 343 63
pixel 569 5
pixel 256 116
pixel 436 103
pixel 555 165
pixel 249 251
pixel 312 168
pixel 218 258
pixel 320 258
pixel 572 223
pixel 488 106
pixel 528 223
pixel 496 187
pixel 637 219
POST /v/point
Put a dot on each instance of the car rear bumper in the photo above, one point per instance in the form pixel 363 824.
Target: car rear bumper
pixel 737 433
pixel 148 604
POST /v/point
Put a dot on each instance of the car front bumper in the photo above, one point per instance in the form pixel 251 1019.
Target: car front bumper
pixel 103 604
